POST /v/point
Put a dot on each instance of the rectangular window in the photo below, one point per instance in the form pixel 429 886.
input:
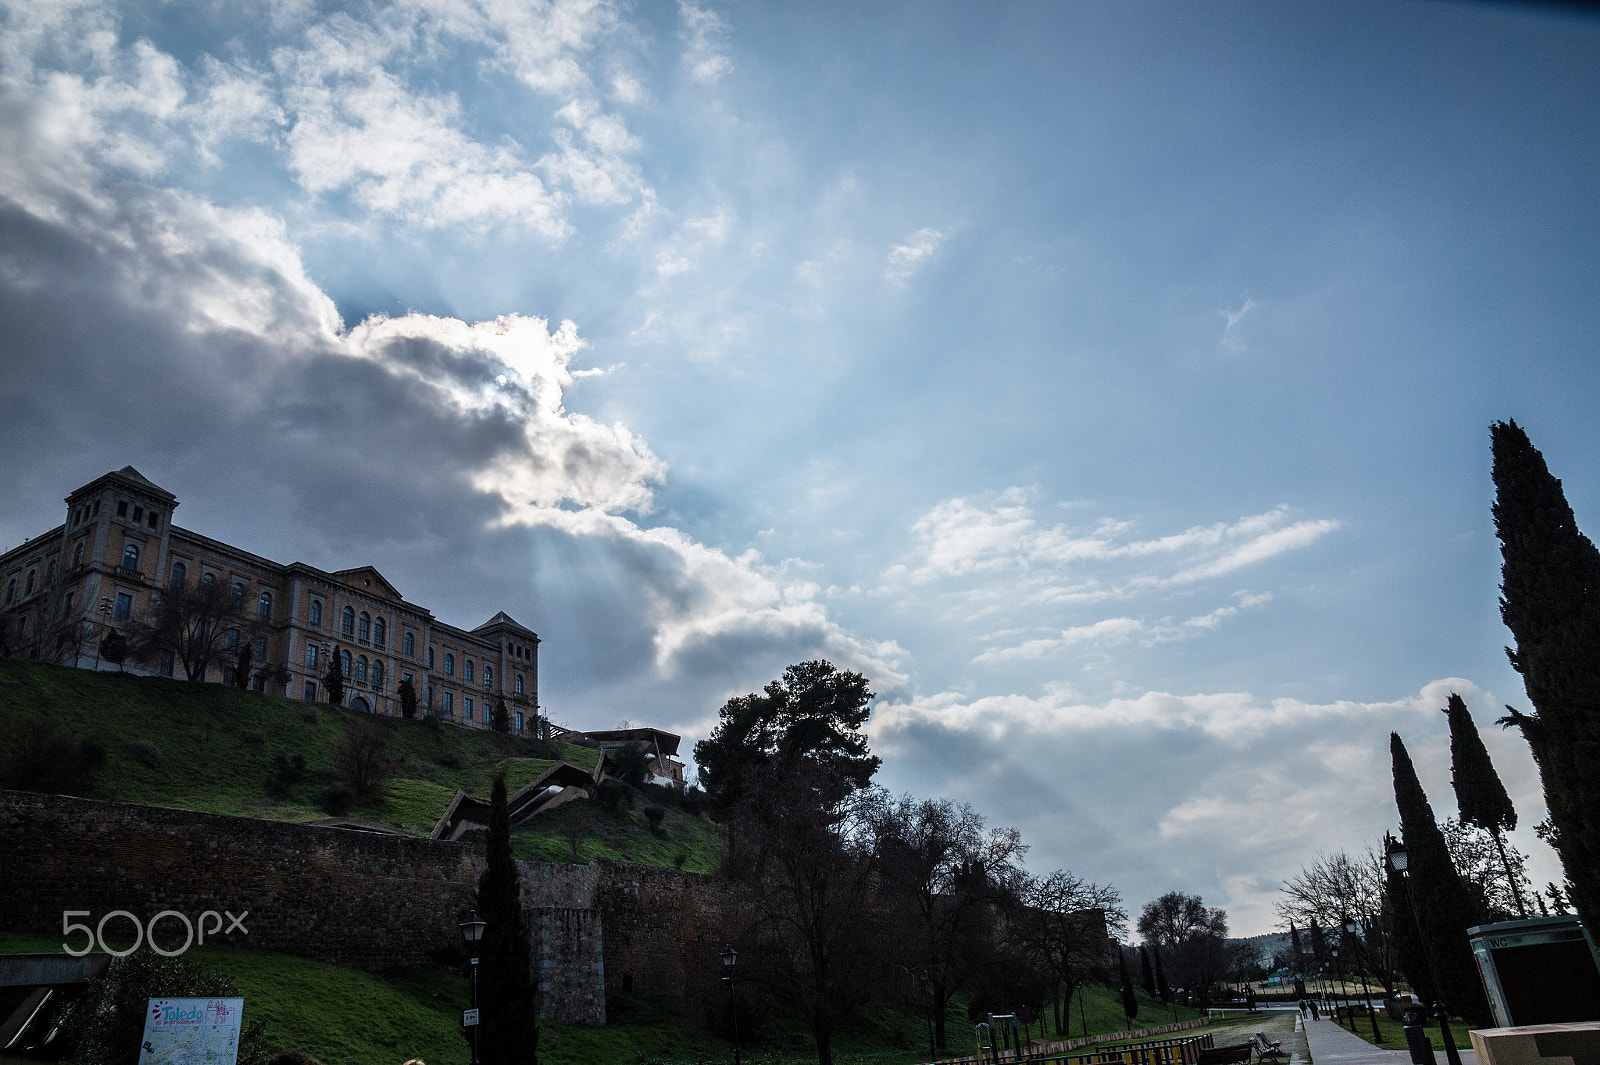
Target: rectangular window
pixel 152 523
pixel 449 702
pixel 311 657
pixel 167 663
pixel 138 515
pixel 122 508
pixel 258 683
pixel 124 606
pixel 310 690
pixel 519 720
pixel 466 708
pixel 67 609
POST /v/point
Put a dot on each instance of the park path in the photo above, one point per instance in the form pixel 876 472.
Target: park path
pixel 1330 1044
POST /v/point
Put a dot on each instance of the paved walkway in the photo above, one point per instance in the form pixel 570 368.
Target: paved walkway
pixel 1330 1044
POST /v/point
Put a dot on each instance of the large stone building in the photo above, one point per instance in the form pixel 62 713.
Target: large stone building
pixel 101 569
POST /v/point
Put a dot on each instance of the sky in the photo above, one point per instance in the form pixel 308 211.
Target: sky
pixel 1109 383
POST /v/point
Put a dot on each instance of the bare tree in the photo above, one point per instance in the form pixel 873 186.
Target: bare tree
pixel 818 924
pixel 1491 868
pixel 1192 935
pixel 362 760
pixel 1337 887
pixel 192 622
pixel 942 867
pixel 1066 924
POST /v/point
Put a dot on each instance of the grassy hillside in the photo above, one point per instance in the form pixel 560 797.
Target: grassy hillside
pixel 342 1017
pixel 207 748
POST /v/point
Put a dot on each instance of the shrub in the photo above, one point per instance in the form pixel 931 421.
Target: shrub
pixel 45 759
pixel 337 798
pixel 448 759
pixel 614 796
pixel 693 801
pixel 252 735
pixel 363 762
pixel 109 1017
pixel 144 752
pixel 655 814
pixel 680 859
pixel 286 773
pixel 309 715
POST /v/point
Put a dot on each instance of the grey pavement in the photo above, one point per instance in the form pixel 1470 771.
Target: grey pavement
pixel 1330 1044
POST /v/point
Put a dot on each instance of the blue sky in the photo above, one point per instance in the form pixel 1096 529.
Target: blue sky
pixel 1109 383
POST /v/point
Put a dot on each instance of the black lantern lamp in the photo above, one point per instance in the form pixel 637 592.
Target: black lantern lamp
pixel 729 958
pixel 471 935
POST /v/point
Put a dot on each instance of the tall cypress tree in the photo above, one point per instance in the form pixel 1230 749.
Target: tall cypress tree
pixel 1480 796
pixel 1130 1001
pixel 1550 600
pixel 1299 954
pixel 1147 976
pixel 1403 927
pixel 1161 977
pixel 1443 905
pixel 509 1031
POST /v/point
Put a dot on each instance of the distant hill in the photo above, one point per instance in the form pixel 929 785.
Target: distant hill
pixel 1268 943
pixel 208 748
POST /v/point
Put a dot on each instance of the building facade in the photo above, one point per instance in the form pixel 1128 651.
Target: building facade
pixel 103 568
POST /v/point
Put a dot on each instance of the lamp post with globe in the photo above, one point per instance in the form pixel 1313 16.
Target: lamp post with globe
pixel 1399 860
pixel 471 934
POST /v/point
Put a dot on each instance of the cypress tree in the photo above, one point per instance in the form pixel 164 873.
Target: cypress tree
pixel 1480 796
pixel 1130 1001
pixel 1403 927
pixel 1443 905
pixel 1147 976
pixel 509 1032
pixel 333 680
pixel 1161 977
pixel 1299 953
pixel 1550 600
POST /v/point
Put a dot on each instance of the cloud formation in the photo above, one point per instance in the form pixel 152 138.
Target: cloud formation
pixel 909 256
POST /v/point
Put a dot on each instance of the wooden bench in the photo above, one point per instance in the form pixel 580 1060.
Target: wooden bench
pixel 1238 1054
pixel 1266 1048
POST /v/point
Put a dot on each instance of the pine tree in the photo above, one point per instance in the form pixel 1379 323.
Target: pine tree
pixel 333 680
pixel 509 1032
pixel 1147 976
pixel 1550 600
pixel 1130 1001
pixel 408 698
pixel 1443 905
pixel 1480 796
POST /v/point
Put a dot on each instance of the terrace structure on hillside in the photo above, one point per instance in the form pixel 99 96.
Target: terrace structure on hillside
pixel 103 569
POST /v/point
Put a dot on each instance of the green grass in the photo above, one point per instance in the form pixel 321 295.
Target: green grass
pixel 215 748
pixel 1394 1036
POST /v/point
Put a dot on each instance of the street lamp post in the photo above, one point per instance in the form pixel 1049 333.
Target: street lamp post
pixel 1351 929
pixel 730 956
pixel 1338 969
pixel 471 934
pixel 1398 861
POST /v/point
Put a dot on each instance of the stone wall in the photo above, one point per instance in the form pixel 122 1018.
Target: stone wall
pixel 364 900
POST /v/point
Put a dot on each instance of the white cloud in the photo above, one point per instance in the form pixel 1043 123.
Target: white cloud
pixel 906 258
pixel 704 52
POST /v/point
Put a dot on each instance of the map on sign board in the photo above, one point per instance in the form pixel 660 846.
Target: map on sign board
pixel 191 1031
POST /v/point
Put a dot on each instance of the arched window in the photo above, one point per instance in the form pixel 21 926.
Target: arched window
pixel 179 574
pixel 230 639
pixel 377 673
pixel 519 684
pixel 316 613
pixel 77 553
pixel 449 665
pixel 409 643
pixel 344 663
pixel 208 578
pixel 361 669
pixel 488 677
pixel 430 658
pixel 130 556
pixel 264 606
pixel 380 632
pixel 33 576
pixel 348 622
pixel 469 671
pixel 364 626
pixel 238 589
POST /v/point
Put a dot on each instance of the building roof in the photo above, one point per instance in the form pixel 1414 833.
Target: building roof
pixel 666 742
pixel 504 620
